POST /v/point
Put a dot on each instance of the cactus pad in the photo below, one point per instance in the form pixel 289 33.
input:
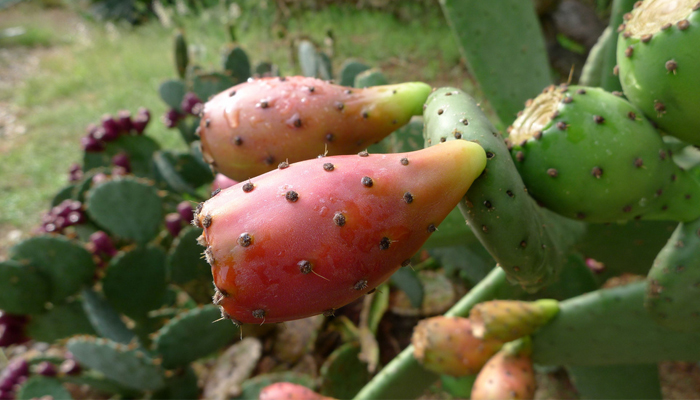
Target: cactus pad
pixel 181 171
pixel 131 368
pixel 140 150
pixel 343 374
pixel 206 85
pixel 24 288
pixel 185 262
pixel 67 264
pixel 371 77
pixel 134 283
pixel 106 321
pixel 39 386
pixel 198 330
pixel 172 92
pixel 235 62
pixel 62 321
pixel 128 208
pixel 349 70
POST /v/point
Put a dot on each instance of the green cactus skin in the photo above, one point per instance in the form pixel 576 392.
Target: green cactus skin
pixel 349 70
pixel 673 296
pixel 181 56
pixel 507 320
pixel 236 63
pixel 608 327
pixel 62 321
pixel 343 374
pixel 609 79
pixel 617 381
pixel 131 368
pixel 139 148
pixel 504 47
pixel 527 241
pixel 24 289
pixel 370 77
pixel 590 155
pixel 40 386
pixel 104 319
pixel 658 64
pixel 593 70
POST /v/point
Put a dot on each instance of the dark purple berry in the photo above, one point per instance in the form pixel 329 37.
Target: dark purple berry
pixel 45 368
pixel 124 121
pixel 122 160
pixel 171 118
pixel 191 104
pixel 185 211
pixel 75 218
pixel 173 223
pixel 12 334
pixel 111 127
pixel 92 145
pixel 102 243
pixel 70 367
pixel 18 368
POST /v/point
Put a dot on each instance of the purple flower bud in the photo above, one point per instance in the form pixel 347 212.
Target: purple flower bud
pixel 185 211
pixel 7 395
pixel 75 172
pixel 70 367
pixel 6 384
pixel 75 167
pixel 139 123
pixel 62 209
pixel 60 223
pixel 90 144
pixel 75 205
pixel 12 319
pixel 19 367
pixel 99 178
pixel 111 127
pixel 171 118
pixel 48 217
pixel 144 111
pixel 50 227
pixel 102 243
pixel 124 120
pixel 75 218
pixel 122 160
pixel 46 368
pixel 191 104
pixel 173 223
pixel 119 171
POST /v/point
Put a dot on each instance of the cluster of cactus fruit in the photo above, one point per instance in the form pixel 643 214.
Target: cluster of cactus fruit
pixel 326 191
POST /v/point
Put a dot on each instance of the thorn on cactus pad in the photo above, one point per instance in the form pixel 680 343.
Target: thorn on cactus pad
pixel 367 181
pixel 443 139
pixel 328 167
pixel 632 115
pixel 464 121
pixel 440 111
pixel 245 239
pixel 339 106
pixel 404 161
pixel 283 165
pixel 581 91
pixel 519 156
pixel 206 221
pixel 662 154
pixel 305 266
pixel 339 219
pixel 365 114
pixel 263 104
pixel 510 193
pixel 329 313
pixel 238 140
pixel 616 70
pixel 248 187
pixel 666 26
pixel 561 125
pixel 231 93
pixel 597 172
pixel 627 208
pixel 671 66
pixel 598 119
pixel 488 204
pixel 259 314
pixel 408 197
pixel 552 172
pixel 209 256
pixel 432 228
pixel 363 153
pixel 683 24
pixel 215 192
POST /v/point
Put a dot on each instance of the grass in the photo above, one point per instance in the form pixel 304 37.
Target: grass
pixel 87 69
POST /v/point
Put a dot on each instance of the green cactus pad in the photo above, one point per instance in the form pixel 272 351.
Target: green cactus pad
pixel 343 374
pixel 97 381
pixel 408 282
pixel 195 328
pixel 128 208
pixel 181 171
pixel 62 321
pixel 206 85
pixel 39 386
pixel 24 289
pixel 131 368
pixel 64 194
pixel 105 320
pixel 628 247
pixel 188 129
pixel 325 66
pixel 140 150
pixel 528 242
pixel 593 70
pixel 607 327
pixel 265 69
pixel 134 282
pixel 575 279
pixel 308 61
pixel 67 264
pixel 349 70
pixel 590 155
pixel 181 385
pixel 181 55
pixel 172 92
pixel 253 386
pixel 187 268
pixel 370 77
pixel 508 320
pixel 405 139
pixel 235 62
pixel 84 185
pixel 617 381
pixel 471 262
pixel 658 67
pixel 609 79
pixel 673 296
pixel 458 386
pixel 504 48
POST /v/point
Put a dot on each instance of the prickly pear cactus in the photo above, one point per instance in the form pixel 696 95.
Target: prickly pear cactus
pixel 657 64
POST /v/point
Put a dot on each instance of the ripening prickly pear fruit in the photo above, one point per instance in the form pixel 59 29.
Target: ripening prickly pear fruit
pixel 250 128
pixel 446 345
pixel 507 375
pixel 590 155
pixel 222 181
pixel 289 391
pixel 658 58
pixel 313 236
pixel 508 320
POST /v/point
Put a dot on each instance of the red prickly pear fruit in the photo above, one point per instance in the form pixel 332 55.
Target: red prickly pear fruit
pixel 111 127
pixel 507 375
pixel 248 129
pixel 446 345
pixel 316 235
pixel 184 209
pixel 173 223
pixel 122 160
pixel 102 244
pixel 91 145
pixel 289 391
pixel 222 181
pixel 124 121
pixel 508 320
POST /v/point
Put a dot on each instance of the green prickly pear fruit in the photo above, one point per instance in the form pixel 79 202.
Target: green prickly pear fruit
pixel 316 235
pixel 446 345
pixel 508 320
pixel 590 155
pixel 250 128
pixel 290 391
pixel 507 375
pixel 658 63
pixel 673 293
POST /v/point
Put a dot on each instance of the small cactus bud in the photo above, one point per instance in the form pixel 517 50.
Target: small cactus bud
pixel 173 223
pixel 124 121
pixel 45 368
pixel 171 118
pixel 184 209
pixel 191 104
pixel 122 160
pixel 91 145
pixel 102 244
pixel 111 127
pixel 70 367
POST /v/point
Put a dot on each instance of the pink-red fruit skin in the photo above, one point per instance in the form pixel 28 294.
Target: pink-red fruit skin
pixel 249 129
pixel 318 234
pixel 446 345
pixel 506 376
pixel 289 391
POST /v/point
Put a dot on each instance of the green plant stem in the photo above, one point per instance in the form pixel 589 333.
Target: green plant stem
pixel 404 377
